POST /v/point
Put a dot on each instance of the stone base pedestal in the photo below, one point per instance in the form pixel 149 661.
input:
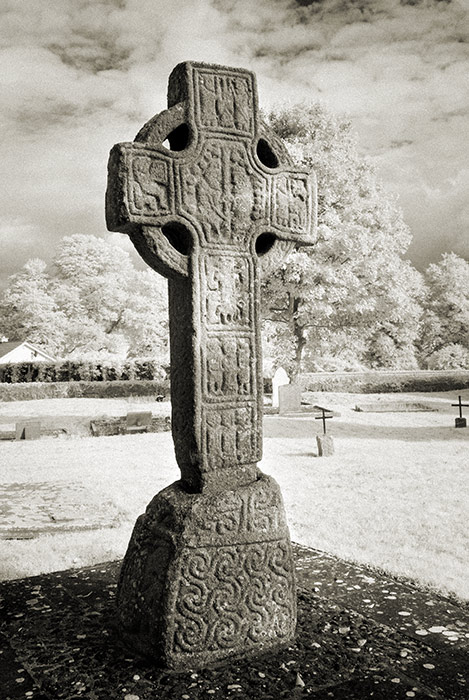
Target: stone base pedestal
pixel 325 445
pixel 208 576
pixel 460 422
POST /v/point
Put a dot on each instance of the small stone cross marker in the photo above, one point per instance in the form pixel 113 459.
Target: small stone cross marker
pixel 461 421
pixel 323 417
pixel 208 573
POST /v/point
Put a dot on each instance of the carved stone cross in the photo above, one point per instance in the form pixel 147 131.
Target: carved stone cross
pixel 208 573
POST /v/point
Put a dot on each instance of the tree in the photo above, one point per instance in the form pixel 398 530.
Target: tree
pixel 444 340
pixel 350 299
pixel 29 310
pixel 93 303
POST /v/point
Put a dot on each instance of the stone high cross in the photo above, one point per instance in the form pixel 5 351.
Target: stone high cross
pixel 208 573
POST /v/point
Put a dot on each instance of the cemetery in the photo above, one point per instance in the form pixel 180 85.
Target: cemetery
pixel 233 428
pixel 375 453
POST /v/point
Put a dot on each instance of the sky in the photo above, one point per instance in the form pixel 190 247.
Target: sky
pixel 77 76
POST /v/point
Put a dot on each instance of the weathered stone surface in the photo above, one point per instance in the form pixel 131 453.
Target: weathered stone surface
pixel 279 379
pixel 117 425
pixel 215 575
pixel 289 399
pixel 325 445
pixel 28 430
pixel 137 421
pixel 28 510
pixel 223 200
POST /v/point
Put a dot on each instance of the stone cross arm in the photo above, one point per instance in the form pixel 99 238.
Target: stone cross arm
pixel 207 193
pixel 208 172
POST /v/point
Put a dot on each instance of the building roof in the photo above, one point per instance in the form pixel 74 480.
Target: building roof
pixel 10 345
pixel 5 348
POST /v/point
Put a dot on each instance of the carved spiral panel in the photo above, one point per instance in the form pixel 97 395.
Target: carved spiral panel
pixel 233 597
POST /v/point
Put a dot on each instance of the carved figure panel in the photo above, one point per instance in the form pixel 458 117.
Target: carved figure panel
pixel 150 186
pixel 228 370
pixel 233 597
pixel 224 100
pixel 227 292
pixel 291 202
pixel 229 436
pixel 202 192
pixel 246 192
pixel 222 192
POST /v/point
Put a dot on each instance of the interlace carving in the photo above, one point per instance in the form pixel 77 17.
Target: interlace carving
pixel 245 589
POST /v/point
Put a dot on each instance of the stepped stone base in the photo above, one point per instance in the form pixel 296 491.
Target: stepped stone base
pixel 209 576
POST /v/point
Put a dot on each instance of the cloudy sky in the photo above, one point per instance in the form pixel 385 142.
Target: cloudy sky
pixel 77 76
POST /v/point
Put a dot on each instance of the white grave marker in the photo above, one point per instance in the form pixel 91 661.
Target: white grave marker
pixel 280 378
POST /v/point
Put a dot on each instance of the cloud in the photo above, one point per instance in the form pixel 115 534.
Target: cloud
pixel 80 76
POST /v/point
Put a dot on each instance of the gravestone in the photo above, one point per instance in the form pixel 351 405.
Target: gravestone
pixel 28 430
pixel 325 445
pixel 460 421
pixel 324 442
pixel 208 573
pixel 289 399
pixel 279 379
pixel 137 421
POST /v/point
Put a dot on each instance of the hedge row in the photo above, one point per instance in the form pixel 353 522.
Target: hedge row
pixel 75 371
pixel 95 390
pixel 385 382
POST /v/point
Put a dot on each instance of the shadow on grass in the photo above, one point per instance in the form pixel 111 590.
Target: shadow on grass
pixel 287 428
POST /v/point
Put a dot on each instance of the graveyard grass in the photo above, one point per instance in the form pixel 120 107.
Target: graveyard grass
pixel 394 495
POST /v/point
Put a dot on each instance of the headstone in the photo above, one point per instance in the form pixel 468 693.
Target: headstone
pixel 289 399
pixel 325 445
pixel 28 430
pixel 208 573
pixel 460 421
pixel 279 379
pixel 137 421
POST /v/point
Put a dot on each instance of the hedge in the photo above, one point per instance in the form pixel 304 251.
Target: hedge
pixel 64 390
pixel 76 371
pixel 375 382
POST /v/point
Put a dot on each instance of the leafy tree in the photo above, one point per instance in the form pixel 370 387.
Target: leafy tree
pixel 349 300
pixel 444 341
pixel 29 310
pixel 94 304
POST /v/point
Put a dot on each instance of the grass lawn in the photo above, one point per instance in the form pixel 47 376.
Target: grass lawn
pixel 394 495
